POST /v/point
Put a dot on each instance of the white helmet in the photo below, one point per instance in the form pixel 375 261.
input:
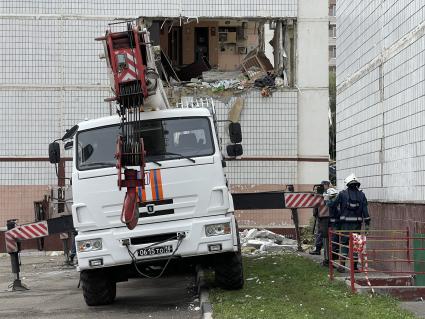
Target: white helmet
pixel 351 179
pixel 331 192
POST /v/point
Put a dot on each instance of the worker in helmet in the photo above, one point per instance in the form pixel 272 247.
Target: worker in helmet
pixel 352 203
pixel 321 214
pixel 334 219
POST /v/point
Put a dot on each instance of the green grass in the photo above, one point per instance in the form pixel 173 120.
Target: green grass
pixel 291 286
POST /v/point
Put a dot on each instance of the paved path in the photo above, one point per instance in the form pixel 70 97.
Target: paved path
pixel 54 294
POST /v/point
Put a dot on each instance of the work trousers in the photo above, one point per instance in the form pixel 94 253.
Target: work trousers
pixel 336 226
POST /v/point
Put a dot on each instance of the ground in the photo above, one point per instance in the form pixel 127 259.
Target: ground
pixel 54 294
pixel 277 286
pixel 291 286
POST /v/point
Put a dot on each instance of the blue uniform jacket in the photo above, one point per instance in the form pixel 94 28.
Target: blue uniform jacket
pixel 352 204
pixel 334 213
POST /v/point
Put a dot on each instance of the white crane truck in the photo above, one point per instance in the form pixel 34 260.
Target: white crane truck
pixel 178 205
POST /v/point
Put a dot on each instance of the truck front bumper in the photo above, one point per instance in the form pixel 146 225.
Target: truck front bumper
pixel 195 243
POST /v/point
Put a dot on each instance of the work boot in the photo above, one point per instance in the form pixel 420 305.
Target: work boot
pixel 341 268
pixel 314 252
pixel 325 263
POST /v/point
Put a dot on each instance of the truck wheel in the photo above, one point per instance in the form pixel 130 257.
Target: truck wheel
pixel 229 271
pixel 97 289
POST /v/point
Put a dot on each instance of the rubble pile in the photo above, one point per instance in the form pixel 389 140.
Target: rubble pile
pixel 255 241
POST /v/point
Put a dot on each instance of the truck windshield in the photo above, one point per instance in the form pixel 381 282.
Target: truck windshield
pixel 164 139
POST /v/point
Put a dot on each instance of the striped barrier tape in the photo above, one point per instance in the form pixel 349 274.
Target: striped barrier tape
pixel 24 232
pixel 303 200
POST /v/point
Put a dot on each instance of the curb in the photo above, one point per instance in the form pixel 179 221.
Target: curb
pixel 205 305
pixel 36 253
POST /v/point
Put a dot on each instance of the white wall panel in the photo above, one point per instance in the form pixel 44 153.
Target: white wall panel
pixel 269 125
pixel 29 121
pixel 269 129
pixel 380 111
pixel 156 8
pixel 261 172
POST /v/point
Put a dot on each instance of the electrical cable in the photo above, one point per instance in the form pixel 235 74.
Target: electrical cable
pixel 180 238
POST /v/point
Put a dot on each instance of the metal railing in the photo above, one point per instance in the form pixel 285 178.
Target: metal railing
pixel 361 252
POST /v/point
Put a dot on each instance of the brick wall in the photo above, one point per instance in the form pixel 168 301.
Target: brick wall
pixel 396 216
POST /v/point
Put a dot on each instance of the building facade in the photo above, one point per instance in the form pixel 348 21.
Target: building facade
pixel 52 78
pixel 332 35
pixel 380 107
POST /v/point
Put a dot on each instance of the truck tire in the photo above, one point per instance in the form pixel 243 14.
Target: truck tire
pixel 229 271
pixel 97 288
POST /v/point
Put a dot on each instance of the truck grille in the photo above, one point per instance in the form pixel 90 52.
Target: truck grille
pixel 157 213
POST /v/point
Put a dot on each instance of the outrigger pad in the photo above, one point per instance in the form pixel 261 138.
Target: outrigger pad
pixel 17 285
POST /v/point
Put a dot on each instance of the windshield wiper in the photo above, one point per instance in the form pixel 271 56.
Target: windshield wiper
pixel 157 163
pixel 101 164
pixel 181 156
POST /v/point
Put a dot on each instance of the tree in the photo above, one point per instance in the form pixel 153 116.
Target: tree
pixel 332 126
pixel 332 108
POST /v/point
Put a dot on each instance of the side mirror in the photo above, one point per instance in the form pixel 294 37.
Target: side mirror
pixel 235 132
pixel 54 153
pixel 234 150
pixel 68 145
pixel 70 133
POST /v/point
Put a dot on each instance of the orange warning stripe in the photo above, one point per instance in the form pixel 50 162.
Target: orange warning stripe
pixel 142 194
pixel 152 182
pixel 159 184
pixel 156 184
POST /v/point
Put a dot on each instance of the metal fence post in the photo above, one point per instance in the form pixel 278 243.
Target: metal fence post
pixel 14 261
pixel 351 257
pixel 331 266
pixel 297 227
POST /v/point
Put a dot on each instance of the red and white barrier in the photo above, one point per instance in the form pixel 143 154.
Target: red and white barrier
pixel 303 200
pixel 24 232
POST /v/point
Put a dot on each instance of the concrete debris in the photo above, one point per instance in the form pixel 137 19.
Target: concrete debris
pixel 255 241
pixel 192 307
pixel 225 85
pixel 280 81
pixel 214 75
pixel 250 233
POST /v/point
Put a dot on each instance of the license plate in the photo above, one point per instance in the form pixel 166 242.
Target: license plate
pixel 155 250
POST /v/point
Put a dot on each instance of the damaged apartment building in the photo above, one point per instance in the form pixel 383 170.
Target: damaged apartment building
pixel 211 50
pixel 264 64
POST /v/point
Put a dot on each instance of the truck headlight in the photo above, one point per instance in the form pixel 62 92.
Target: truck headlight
pixel 217 229
pixel 89 245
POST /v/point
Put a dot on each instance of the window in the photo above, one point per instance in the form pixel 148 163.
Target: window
pixel 332 10
pixel 164 139
pixel 332 52
pixel 96 148
pixel 332 31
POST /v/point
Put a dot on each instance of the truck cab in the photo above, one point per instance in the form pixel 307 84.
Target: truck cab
pixel 185 209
